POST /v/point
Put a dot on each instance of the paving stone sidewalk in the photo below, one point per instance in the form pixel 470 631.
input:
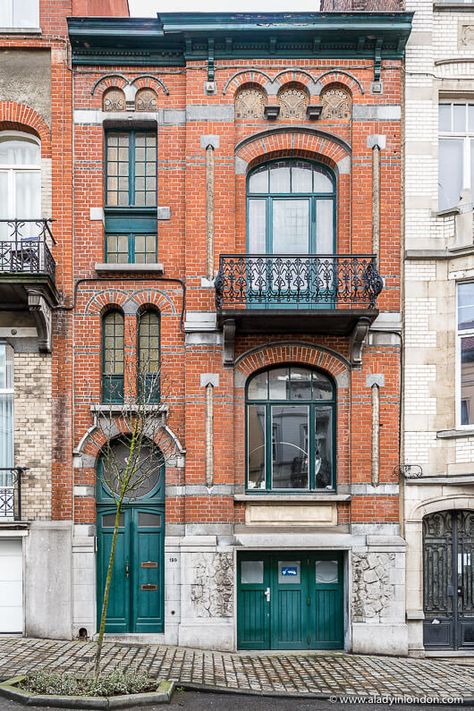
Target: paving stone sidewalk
pixel 304 674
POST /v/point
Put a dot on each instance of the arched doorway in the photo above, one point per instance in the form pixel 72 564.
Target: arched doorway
pixel 448 580
pixel 136 602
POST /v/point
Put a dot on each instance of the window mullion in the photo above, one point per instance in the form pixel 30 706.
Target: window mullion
pixel 131 248
pixel 131 169
pixel 269 449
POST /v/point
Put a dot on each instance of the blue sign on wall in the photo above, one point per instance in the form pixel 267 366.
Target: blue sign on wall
pixel 293 570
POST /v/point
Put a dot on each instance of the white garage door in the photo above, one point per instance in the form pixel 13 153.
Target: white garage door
pixel 11 586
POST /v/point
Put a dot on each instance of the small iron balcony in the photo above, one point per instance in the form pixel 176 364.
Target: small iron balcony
pixel 24 247
pixel 10 493
pixel 334 294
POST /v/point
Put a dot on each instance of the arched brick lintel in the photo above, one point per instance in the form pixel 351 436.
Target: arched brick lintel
pixel 130 301
pixel 20 117
pixel 276 353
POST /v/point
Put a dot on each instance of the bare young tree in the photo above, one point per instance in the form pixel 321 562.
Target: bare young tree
pixel 137 446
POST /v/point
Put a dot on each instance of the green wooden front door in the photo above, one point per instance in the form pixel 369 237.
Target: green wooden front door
pixel 136 602
pixel 290 601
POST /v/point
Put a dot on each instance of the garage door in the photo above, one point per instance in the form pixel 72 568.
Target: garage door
pixel 11 586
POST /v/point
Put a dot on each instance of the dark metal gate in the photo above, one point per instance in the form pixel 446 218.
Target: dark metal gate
pixel 448 567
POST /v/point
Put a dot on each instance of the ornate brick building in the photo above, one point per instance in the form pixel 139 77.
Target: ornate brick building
pixel 237 203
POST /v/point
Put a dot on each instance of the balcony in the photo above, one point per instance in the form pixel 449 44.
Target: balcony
pixel 27 272
pixel 10 494
pixel 325 294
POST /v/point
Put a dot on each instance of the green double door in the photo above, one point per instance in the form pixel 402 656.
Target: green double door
pixel 290 600
pixel 136 602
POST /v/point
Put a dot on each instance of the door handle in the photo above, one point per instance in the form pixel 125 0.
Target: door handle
pixel 460 591
pixel 127 571
pixel 267 594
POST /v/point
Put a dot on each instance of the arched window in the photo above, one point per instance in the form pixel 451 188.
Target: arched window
pixel 113 357
pixel 145 469
pixel 291 208
pixel 20 178
pixel 290 430
pixel 148 385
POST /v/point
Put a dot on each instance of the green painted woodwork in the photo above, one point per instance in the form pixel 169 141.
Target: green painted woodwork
pixel 136 602
pixel 300 612
pixel 174 38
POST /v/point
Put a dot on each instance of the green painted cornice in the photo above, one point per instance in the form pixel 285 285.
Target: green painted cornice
pixel 173 38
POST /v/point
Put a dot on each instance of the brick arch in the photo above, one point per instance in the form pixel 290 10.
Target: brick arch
pixel 293 141
pixel 296 76
pixel 246 76
pixel 339 76
pixel 108 81
pixel 278 353
pixel 126 300
pixel 20 117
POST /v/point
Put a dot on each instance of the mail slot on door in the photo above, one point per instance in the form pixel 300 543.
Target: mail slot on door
pixel 149 564
pixel 148 586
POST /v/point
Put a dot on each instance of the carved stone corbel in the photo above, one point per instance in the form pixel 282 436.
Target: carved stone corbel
pixel 43 317
pixel 228 330
pixel 358 337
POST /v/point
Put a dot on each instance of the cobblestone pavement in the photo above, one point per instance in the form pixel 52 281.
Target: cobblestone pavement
pixel 298 674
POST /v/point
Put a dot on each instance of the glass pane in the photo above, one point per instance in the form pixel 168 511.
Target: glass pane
pixel 470 118
pixel 257 226
pixel 6 14
pixel 466 305
pixel 117 249
pixel 289 572
pixel 28 198
pixel 108 520
pixel 326 571
pixel 291 226
pixel 322 183
pixel 251 572
pixel 459 118
pixel 5 201
pixel 290 447
pixel 323 448
pixel 322 387
pixel 25 13
pixel 113 343
pixel 302 178
pixel 450 172
pixel 258 181
pixel 444 118
pixel 300 384
pixel 256 446
pixel 6 412
pixel 324 227
pixel 258 387
pixel 467 380
pixel 149 519
pixel 144 468
pixel 279 381
pixel 15 152
pixel 279 179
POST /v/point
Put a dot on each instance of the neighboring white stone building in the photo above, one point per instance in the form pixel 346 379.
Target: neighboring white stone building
pixel 438 414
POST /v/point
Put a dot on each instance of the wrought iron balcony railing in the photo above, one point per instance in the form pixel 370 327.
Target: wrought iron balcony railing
pixel 329 281
pixel 25 247
pixel 10 493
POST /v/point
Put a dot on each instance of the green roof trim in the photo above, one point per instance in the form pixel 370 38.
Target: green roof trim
pixel 173 38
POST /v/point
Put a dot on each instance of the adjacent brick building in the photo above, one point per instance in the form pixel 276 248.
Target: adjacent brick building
pixel 237 193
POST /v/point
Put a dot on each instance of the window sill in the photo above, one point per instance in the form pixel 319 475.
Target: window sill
pixel 463 7
pixel 20 30
pixel 104 267
pixel 119 408
pixel 271 498
pixel 455 433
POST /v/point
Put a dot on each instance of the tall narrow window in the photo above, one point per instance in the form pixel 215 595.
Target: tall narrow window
pixel 131 197
pixel 6 413
pixel 113 357
pixel 466 353
pixel 20 181
pixel 149 356
pixel 456 153
pixel 290 430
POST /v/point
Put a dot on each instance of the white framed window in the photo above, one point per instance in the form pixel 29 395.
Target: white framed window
pixel 6 412
pixel 20 179
pixel 456 152
pixel 465 354
pixel 19 14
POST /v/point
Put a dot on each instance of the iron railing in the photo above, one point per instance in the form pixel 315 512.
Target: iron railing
pixel 322 280
pixel 25 247
pixel 10 493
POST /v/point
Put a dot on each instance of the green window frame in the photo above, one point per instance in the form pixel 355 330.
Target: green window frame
pixel 131 196
pixel 148 375
pixel 113 327
pixel 290 430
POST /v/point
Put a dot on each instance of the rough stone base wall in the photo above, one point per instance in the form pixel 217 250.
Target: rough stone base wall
pixel 33 427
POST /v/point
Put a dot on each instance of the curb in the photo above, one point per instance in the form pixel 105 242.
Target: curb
pixel 9 690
